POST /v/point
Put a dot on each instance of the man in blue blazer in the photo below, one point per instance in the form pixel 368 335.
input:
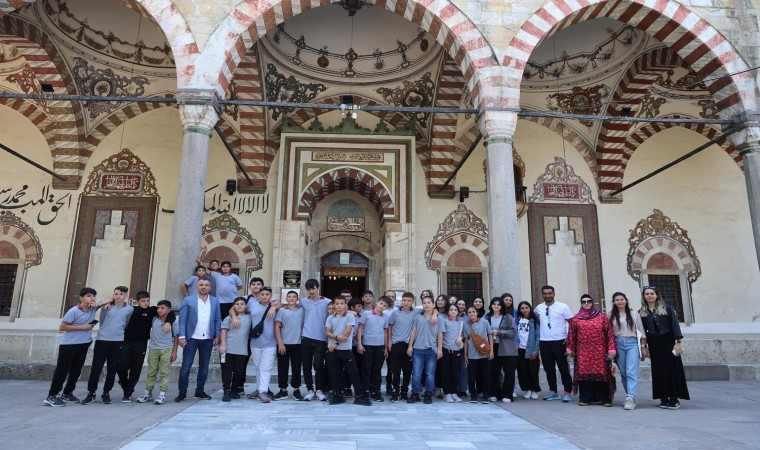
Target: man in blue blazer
pixel 199 330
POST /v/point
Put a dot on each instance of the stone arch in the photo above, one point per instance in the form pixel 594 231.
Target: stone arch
pixel 443 252
pixel 225 232
pixel 461 229
pixel 119 117
pixel 451 28
pixel 699 44
pixel 352 179
pixel 21 236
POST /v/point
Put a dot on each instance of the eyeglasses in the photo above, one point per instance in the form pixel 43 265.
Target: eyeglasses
pixel 586 302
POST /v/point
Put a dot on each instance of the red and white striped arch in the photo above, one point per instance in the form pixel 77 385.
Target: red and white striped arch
pixel 443 143
pixel 442 251
pixel 700 45
pixel 251 20
pixel 117 118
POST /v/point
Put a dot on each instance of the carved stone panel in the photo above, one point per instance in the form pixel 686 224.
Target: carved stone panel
pixel 560 183
pixel 122 174
pixel 461 221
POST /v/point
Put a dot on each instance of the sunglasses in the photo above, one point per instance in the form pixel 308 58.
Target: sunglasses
pixel 649 287
pixel 586 302
pixel 548 319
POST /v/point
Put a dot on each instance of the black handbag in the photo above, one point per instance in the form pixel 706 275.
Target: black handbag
pixel 258 330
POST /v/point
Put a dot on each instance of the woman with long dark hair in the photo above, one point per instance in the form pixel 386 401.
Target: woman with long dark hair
pixel 509 303
pixel 480 306
pixel 504 333
pixel 528 364
pixel 665 349
pixel 625 323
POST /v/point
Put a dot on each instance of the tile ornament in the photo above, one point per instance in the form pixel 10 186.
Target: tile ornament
pixel 104 82
pixel 560 183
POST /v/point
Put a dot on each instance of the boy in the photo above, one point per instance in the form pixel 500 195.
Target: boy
pixel 399 330
pixel 162 352
pixel 287 330
pixel 227 286
pixel 264 347
pixel 234 347
pixel 108 345
pixel 371 343
pixel 354 308
pixel 314 341
pixel 189 284
pixel 338 329
pixel 368 300
pixel 77 327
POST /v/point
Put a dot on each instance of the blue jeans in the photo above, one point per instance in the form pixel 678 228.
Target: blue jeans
pixel 203 347
pixel 628 363
pixel 423 358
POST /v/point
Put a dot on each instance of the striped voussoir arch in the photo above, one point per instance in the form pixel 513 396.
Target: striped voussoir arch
pixel 11 6
pixel 635 83
pixel 444 154
pixel 256 151
pixel 646 131
pixel 700 45
pixel 105 126
pixel 665 245
pixel 21 235
pixel 450 27
pixel 461 240
pixel 570 135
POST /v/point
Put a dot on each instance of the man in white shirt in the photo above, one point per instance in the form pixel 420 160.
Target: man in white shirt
pixel 554 318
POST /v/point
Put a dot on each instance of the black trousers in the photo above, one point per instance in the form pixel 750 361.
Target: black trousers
pixel 509 365
pixel 449 365
pixel 105 352
pixel 233 372
pixel 293 357
pixel 313 352
pixel 68 368
pixel 553 355
pixel 527 372
pixel 399 362
pixel 224 309
pixel 477 368
pixel 337 361
pixel 359 358
pixel 130 364
pixel 372 367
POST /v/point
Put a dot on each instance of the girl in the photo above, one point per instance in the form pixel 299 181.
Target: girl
pixel 441 305
pixel 478 365
pixel 425 348
pixel 504 334
pixel 463 382
pixel 288 323
pixel 493 316
pixel 462 306
pixel 234 351
pixel 665 349
pixel 528 364
pixel 480 305
pixel 509 302
pixel 627 346
pixel 452 353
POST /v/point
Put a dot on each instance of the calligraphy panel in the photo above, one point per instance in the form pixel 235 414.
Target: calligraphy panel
pixel 120 182
pixel 559 182
pixel 348 156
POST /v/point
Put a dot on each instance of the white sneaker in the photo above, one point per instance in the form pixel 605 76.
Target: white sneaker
pixel 309 396
pixel 320 396
pixel 161 399
pixel 534 396
pixel 491 399
pixel 456 398
pixel 506 400
pixel 146 397
pixel 630 404
pixel 527 395
pixel 449 398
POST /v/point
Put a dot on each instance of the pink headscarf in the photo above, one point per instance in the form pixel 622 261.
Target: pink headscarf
pixel 585 314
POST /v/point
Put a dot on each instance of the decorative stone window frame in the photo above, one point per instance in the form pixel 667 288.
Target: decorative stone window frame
pixel 16 232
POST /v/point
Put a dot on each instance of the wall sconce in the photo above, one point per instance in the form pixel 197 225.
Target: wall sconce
pixel 231 186
pixel 464 192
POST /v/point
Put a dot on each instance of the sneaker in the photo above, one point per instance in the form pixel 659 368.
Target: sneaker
pixel 394 398
pixel 448 398
pixel 69 398
pixel 264 397
pixel 567 398
pixel 253 395
pixel 297 395
pixel 337 400
pixel 674 404
pixel 378 397
pixel 630 404
pixel 320 396
pixel 227 397
pixel 127 398
pixel 607 404
pixel 146 397
pixel 534 396
pixel 527 395
pixel 106 399
pixel 52 400
pixel 473 399
pixel 202 395
pixel 438 393
pixel 161 399
pixel 404 397
pixel 89 399
pixel 283 394
pixel 181 397
pixel 583 403
pixel 362 400
pixel 492 399
pixel 309 396
pixel 456 398
pixel 414 398
pixel 663 404
pixel 462 394
pixel 235 395
pixel 485 400
pixel 428 398
pixel 551 396
pixel 506 400
pixel 348 392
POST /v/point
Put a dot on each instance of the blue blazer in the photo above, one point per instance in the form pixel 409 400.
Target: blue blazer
pixel 188 317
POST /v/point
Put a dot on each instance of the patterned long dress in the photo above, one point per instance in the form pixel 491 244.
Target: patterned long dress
pixel 590 341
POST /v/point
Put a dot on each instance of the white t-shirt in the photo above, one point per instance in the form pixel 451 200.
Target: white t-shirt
pixel 553 325
pixel 523 331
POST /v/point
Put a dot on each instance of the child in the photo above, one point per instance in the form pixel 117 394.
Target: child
pixel 371 343
pixel 354 308
pixel 234 346
pixel 162 352
pixel 339 328
pixel 478 365
pixel 264 347
pixel 287 330
pixel 77 327
pixel 399 330
pixel 189 284
pixel 528 365
pixel 425 347
pixel 453 352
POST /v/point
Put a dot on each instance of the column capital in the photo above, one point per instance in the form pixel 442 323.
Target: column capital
pixel 199 110
pixel 497 126
pixel 747 139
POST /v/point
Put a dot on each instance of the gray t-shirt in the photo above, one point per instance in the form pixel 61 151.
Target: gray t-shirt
pixel 266 340
pixel 226 286
pixel 426 335
pixel 78 316
pixel 315 315
pixel 237 338
pixel 113 321
pixel 373 332
pixel 160 340
pixel 291 321
pixel 483 328
pixel 337 324
pixel 451 331
pixel 190 283
pixel 495 322
pixel 402 323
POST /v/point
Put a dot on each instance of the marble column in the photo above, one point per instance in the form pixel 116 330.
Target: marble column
pixel 198 113
pixel 503 244
pixel 751 159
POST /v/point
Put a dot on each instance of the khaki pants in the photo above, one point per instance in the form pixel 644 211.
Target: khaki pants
pixel 159 363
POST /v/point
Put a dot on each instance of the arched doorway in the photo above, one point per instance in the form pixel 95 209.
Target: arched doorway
pixel 344 269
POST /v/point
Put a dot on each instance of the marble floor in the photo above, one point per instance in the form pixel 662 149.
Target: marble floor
pixel 288 424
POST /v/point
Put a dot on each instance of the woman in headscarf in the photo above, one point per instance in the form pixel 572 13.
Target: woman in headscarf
pixel 591 342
